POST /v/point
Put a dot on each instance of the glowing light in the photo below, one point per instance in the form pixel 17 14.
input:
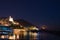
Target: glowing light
pixel 2 37
pixel 35 33
pixel 30 33
pixel 17 36
pixel 25 33
pixel 35 28
pixel 6 24
pixel 12 37
pixel 11 19
pixel 44 27
pixel 16 31
pixel 22 30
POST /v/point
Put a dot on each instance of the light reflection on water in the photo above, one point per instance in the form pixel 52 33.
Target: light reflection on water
pixel 30 36
pixel 37 36
pixel 34 36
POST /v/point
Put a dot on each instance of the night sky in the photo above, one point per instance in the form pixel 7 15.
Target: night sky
pixel 37 12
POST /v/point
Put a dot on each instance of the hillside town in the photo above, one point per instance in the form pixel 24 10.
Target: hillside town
pixel 12 29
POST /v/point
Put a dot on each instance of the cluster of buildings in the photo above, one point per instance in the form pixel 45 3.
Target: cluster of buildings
pixel 8 24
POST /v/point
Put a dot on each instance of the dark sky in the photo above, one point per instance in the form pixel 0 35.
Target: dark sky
pixel 38 12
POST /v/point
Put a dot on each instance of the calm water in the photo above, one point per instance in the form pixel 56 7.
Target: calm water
pixel 39 36
pixel 36 36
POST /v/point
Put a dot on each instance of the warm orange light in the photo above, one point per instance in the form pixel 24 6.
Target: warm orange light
pixel 43 28
pixel 34 34
pixel 16 31
pixel 6 24
pixel 35 28
pixel 12 37
pixel 2 37
pixel 25 33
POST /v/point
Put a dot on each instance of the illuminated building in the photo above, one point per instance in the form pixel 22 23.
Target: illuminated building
pixel 18 27
pixel 5 31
